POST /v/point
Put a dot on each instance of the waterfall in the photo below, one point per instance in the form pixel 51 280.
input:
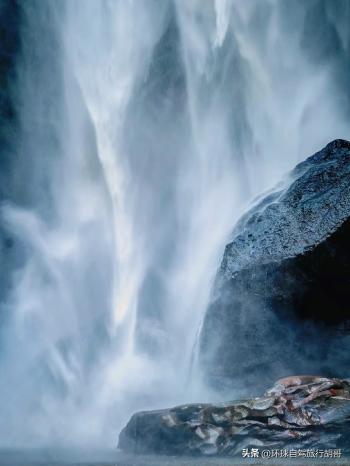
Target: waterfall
pixel 142 131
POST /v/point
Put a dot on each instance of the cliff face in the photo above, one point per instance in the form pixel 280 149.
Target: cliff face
pixel 280 303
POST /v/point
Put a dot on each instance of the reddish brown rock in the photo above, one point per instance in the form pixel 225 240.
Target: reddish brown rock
pixel 297 412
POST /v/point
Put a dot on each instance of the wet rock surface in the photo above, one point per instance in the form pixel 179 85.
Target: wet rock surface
pixel 280 302
pixel 297 412
pixel 299 216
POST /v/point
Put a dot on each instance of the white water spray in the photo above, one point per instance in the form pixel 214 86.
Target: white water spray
pixel 159 122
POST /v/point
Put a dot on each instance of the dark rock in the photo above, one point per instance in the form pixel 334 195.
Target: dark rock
pixel 281 300
pixel 295 219
pixel 297 412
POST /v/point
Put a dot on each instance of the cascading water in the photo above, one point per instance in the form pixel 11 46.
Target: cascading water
pixel 143 128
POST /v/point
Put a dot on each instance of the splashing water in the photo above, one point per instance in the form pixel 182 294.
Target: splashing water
pixel 144 128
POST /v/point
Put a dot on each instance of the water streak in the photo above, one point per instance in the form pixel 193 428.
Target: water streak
pixel 145 128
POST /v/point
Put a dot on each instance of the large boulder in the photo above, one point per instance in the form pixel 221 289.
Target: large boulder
pixel 281 301
pixel 298 413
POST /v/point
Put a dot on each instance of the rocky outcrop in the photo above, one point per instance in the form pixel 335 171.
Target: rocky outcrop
pixel 294 220
pixel 297 412
pixel 280 305
pixel 281 300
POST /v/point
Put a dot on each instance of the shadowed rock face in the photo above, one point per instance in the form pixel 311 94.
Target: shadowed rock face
pixel 297 412
pixel 281 300
pixel 296 218
pixel 280 305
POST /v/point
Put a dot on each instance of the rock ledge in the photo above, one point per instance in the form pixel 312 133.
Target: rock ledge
pixel 297 412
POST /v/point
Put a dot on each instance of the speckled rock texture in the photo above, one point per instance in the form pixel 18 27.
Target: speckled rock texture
pixel 293 220
pixel 297 412
pixel 280 303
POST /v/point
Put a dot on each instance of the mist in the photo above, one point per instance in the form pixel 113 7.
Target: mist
pixel 136 134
